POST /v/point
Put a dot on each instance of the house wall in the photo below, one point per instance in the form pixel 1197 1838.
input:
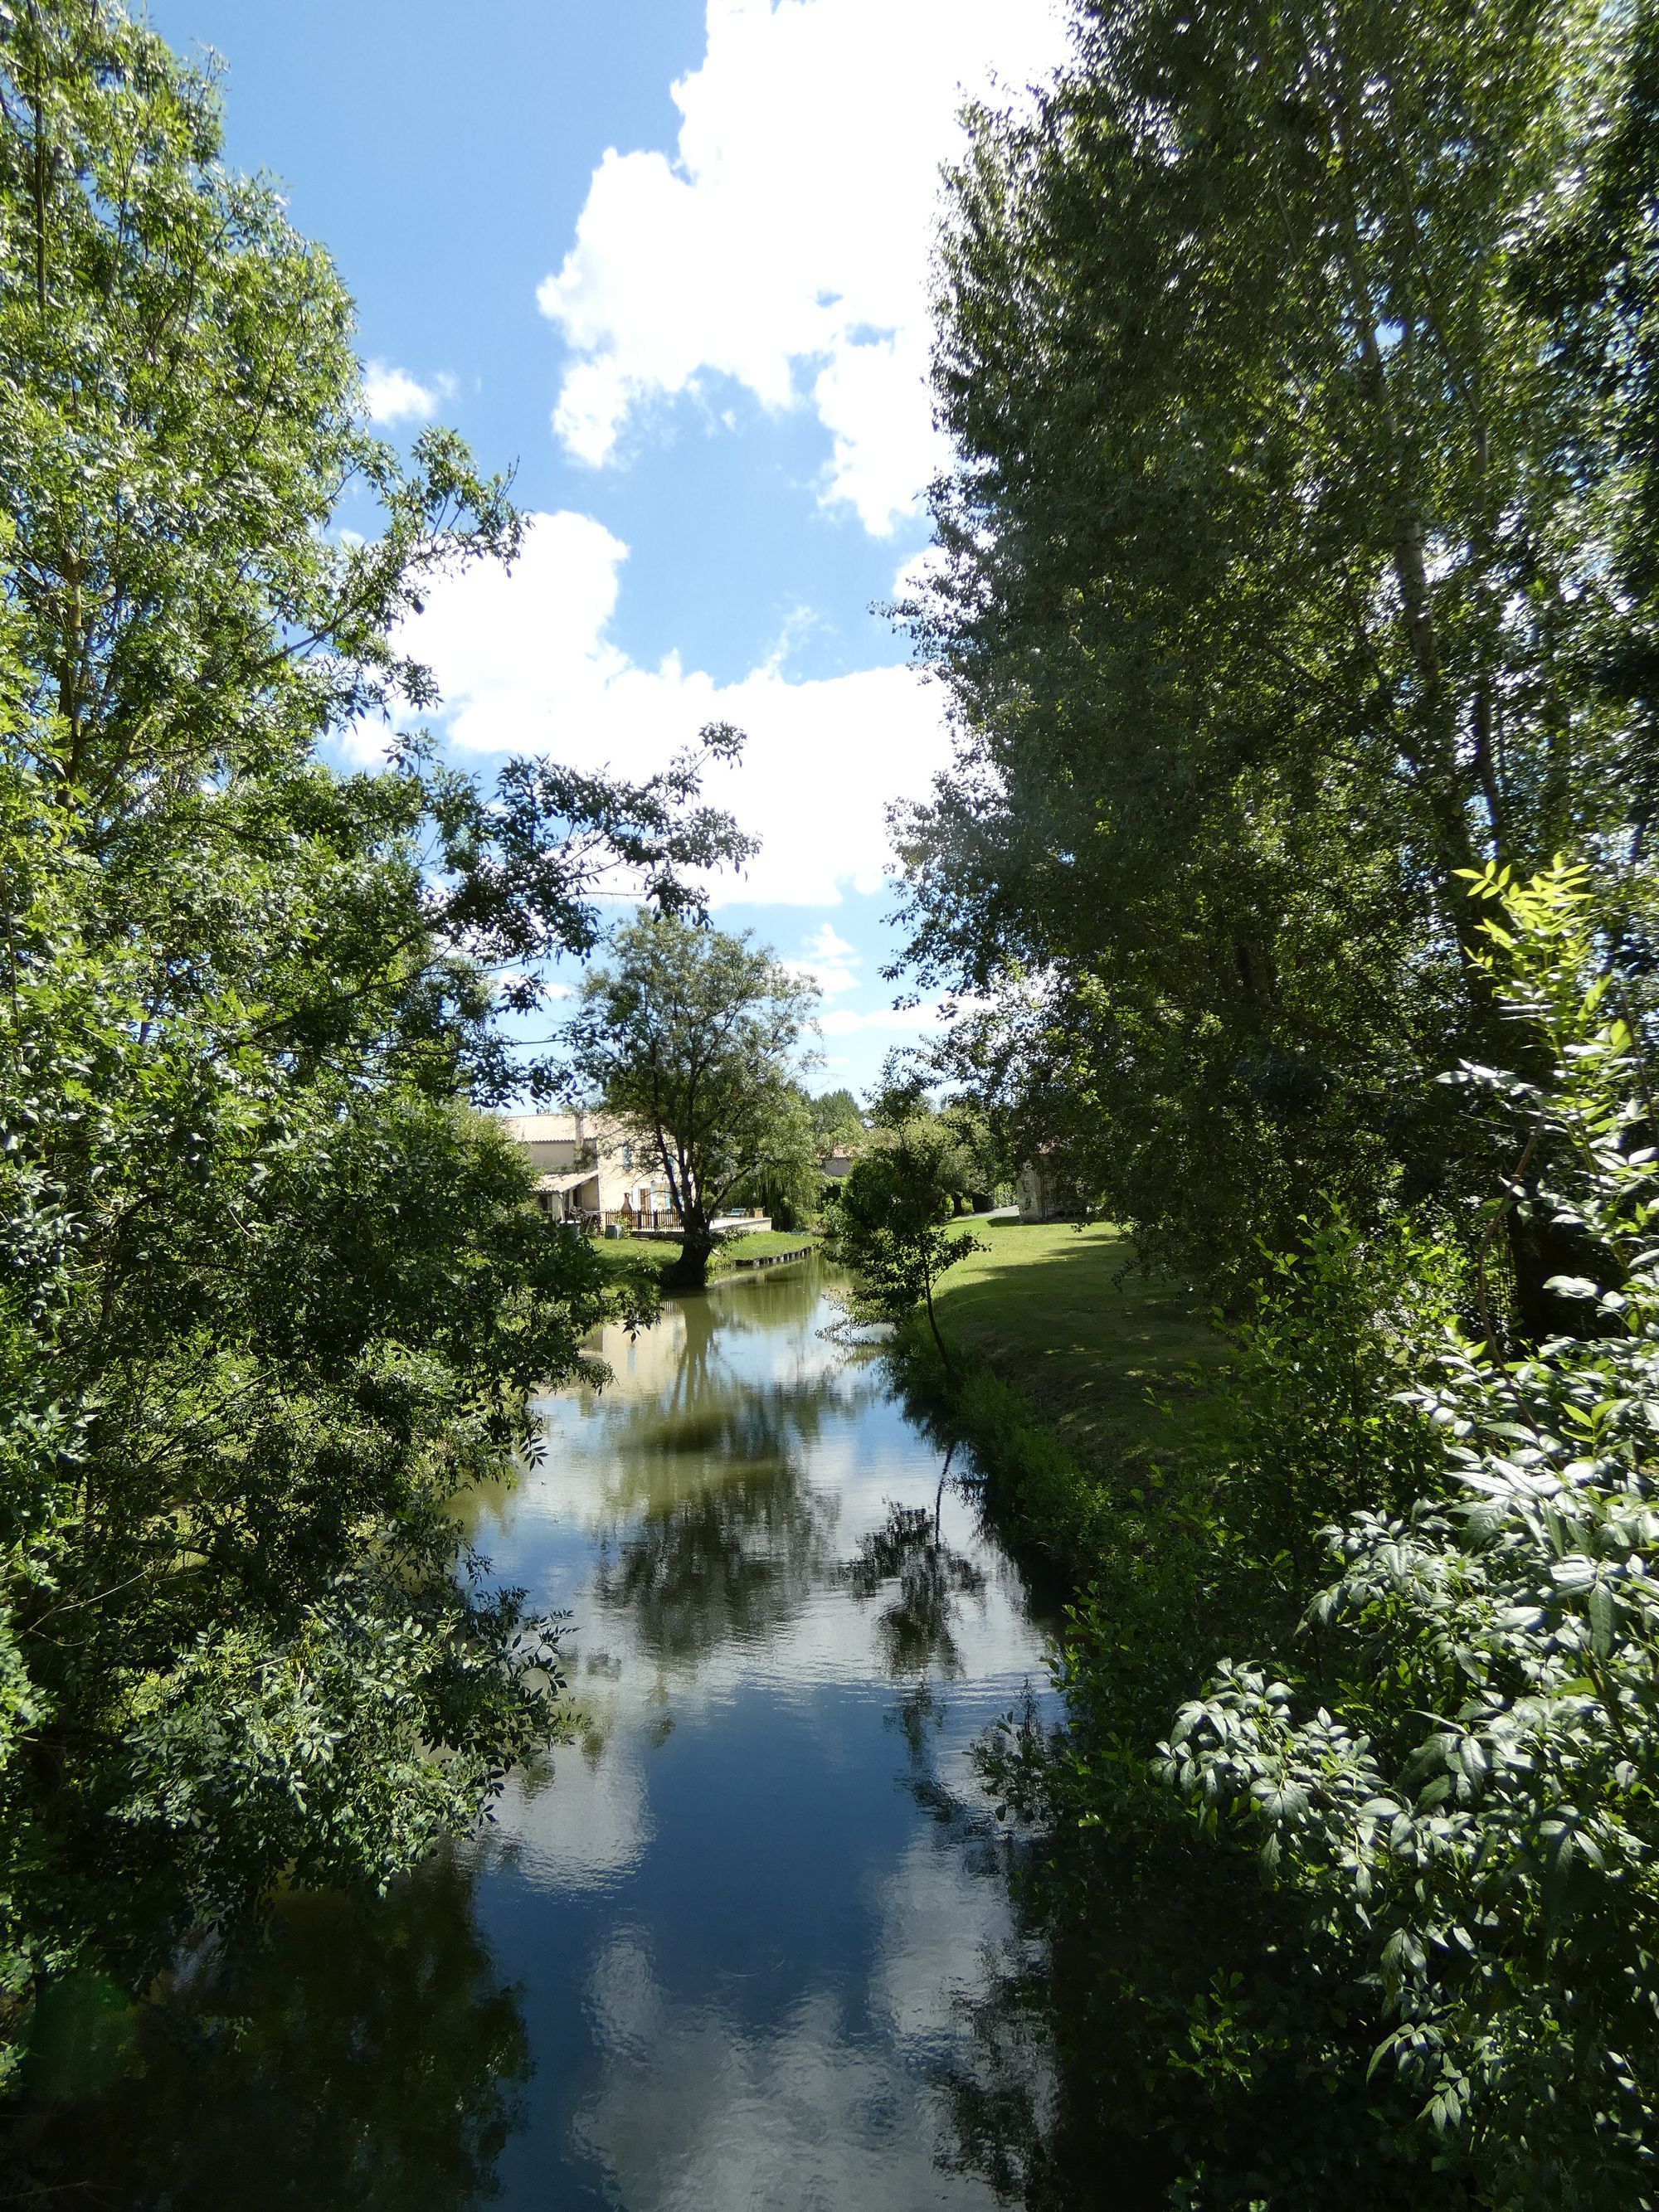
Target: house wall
pixel 627 1181
pixel 1042 1196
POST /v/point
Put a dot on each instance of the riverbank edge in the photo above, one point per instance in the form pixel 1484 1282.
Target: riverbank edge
pixel 623 1256
pixel 1123 1877
pixel 1045 1506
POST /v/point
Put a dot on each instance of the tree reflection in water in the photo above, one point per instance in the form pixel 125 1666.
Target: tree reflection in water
pixel 908 1557
pixel 1020 2114
pixel 1024 2110
pixel 366 2056
pixel 718 1565
pixel 714 1532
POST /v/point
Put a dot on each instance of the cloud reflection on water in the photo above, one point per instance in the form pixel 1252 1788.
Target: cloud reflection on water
pixel 771 1924
pixel 694 2111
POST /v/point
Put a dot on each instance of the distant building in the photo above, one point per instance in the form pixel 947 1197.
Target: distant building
pixel 1041 1193
pixel 837 1162
pixel 593 1171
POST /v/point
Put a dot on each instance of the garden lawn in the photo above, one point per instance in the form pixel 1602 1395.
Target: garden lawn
pixel 760 1244
pixel 622 1255
pixel 1117 1363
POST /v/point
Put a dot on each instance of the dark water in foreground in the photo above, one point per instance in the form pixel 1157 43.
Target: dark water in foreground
pixel 719 1953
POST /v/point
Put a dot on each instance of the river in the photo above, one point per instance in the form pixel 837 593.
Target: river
pixel 720 1951
pixel 747 1908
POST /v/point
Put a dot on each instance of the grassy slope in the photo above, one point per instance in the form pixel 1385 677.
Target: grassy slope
pixel 1115 1363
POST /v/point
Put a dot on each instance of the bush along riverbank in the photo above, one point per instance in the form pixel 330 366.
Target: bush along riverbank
pixel 1347 1857
pixel 1205 2055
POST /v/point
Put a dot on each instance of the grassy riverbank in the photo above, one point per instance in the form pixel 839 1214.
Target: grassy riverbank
pixel 1118 1364
pixel 1086 1388
pixel 633 1256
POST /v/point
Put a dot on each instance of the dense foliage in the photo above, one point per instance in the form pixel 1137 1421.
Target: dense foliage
pixel 1295 572
pixel 1470 1821
pixel 272 1292
pixel 836 1118
pixel 1291 358
pixel 1398 1871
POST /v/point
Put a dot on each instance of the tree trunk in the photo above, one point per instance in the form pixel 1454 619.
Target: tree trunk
pixel 932 1322
pixel 690 1271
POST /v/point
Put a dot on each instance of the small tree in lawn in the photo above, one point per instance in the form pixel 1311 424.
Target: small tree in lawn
pixel 691 1036
pixel 894 1205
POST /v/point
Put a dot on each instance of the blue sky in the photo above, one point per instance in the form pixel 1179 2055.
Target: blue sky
pixel 668 259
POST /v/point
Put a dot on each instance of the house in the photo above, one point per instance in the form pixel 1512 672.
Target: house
pixel 593 1171
pixel 836 1163
pixel 1043 1193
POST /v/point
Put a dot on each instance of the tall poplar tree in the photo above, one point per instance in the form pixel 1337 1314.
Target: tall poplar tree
pixel 1278 571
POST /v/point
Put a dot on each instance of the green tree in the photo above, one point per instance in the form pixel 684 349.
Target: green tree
pixel 272 1293
pixel 836 1119
pixel 690 1037
pixel 1274 568
pixel 889 1214
pixel 787 1190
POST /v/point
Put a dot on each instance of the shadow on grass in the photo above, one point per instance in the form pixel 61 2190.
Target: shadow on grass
pixel 1121 1364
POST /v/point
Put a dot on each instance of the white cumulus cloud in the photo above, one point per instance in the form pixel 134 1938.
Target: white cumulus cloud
pixel 848 1021
pixel 525 664
pixel 830 962
pixel 786 243
pixel 393 395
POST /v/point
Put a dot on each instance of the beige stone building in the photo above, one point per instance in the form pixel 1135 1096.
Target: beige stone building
pixel 593 1171
pixel 1043 1195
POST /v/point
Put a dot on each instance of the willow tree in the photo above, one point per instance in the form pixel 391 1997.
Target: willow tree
pixel 1276 569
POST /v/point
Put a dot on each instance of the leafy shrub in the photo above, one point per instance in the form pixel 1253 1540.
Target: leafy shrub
pixel 1468 1821
pixel 889 1220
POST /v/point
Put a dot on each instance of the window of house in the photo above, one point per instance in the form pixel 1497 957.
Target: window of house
pixel 627 1156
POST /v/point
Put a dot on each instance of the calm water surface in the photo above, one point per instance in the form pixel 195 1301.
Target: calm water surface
pixel 716 1954
pixel 746 1910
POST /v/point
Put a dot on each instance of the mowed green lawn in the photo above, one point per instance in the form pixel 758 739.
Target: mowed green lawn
pixel 625 1254
pixel 760 1243
pixel 1119 1364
